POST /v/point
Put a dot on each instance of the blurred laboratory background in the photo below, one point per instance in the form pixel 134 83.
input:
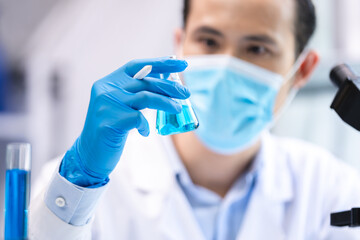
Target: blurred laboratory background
pixel 51 51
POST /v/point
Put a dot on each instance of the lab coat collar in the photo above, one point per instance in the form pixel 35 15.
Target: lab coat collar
pixel 238 190
pixel 274 176
pixel 179 168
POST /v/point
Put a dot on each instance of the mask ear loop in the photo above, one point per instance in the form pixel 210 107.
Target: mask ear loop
pixel 293 90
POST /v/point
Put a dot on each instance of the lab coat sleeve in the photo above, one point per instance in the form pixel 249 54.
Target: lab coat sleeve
pixel 63 208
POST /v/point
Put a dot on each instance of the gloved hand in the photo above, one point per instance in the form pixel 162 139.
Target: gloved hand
pixel 113 111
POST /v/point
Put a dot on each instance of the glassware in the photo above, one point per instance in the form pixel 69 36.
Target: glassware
pixel 17 190
pixel 168 123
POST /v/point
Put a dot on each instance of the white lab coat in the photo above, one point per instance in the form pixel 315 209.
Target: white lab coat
pixel 297 189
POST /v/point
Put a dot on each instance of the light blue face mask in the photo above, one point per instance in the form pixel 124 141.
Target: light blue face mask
pixel 233 100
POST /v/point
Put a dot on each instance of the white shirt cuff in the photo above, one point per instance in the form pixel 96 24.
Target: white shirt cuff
pixel 71 203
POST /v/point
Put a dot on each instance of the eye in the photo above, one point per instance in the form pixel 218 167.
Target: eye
pixel 209 43
pixel 257 50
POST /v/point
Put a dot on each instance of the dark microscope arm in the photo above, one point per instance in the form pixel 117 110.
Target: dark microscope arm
pixel 347 106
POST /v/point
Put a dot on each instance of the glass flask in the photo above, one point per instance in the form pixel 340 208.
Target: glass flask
pixel 169 123
pixel 17 190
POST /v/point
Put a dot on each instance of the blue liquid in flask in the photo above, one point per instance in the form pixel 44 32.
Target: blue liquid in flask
pixel 17 195
pixel 169 123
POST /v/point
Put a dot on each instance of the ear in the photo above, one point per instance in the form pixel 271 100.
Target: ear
pixel 306 69
pixel 178 42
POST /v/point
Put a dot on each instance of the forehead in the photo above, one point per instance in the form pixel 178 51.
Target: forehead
pixel 243 15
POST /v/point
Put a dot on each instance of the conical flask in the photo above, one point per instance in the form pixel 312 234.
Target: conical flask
pixel 169 123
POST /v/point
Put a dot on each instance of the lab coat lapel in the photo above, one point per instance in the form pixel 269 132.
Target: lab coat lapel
pixel 264 217
pixel 263 220
pixel 177 221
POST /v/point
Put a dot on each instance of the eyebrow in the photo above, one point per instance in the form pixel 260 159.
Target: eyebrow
pixel 260 38
pixel 209 30
pixel 255 38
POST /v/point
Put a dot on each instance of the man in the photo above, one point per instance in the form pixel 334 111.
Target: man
pixel 230 179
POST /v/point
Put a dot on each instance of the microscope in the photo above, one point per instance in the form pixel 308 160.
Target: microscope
pixel 347 105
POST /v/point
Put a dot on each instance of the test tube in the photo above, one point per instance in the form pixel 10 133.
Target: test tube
pixel 17 190
pixel 168 123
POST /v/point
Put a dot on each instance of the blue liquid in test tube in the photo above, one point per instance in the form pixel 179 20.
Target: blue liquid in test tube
pixel 16 203
pixel 17 191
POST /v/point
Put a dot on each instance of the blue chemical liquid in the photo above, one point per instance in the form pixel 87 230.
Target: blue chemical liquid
pixel 167 124
pixel 17 193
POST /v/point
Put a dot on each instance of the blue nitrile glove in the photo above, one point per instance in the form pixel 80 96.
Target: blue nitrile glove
pixel 113 111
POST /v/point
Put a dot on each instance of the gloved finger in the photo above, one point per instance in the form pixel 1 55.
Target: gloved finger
pixel 164 87
pixel 154 75
pixel 165 76
pixel 157 75
pixel 159 65
pixel 132 119
pixel 142 125
pixel 142 100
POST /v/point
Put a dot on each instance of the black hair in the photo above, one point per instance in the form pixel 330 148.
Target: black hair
pixel 305 22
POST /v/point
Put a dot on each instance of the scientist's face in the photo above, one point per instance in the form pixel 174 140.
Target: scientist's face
pixel 258 31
